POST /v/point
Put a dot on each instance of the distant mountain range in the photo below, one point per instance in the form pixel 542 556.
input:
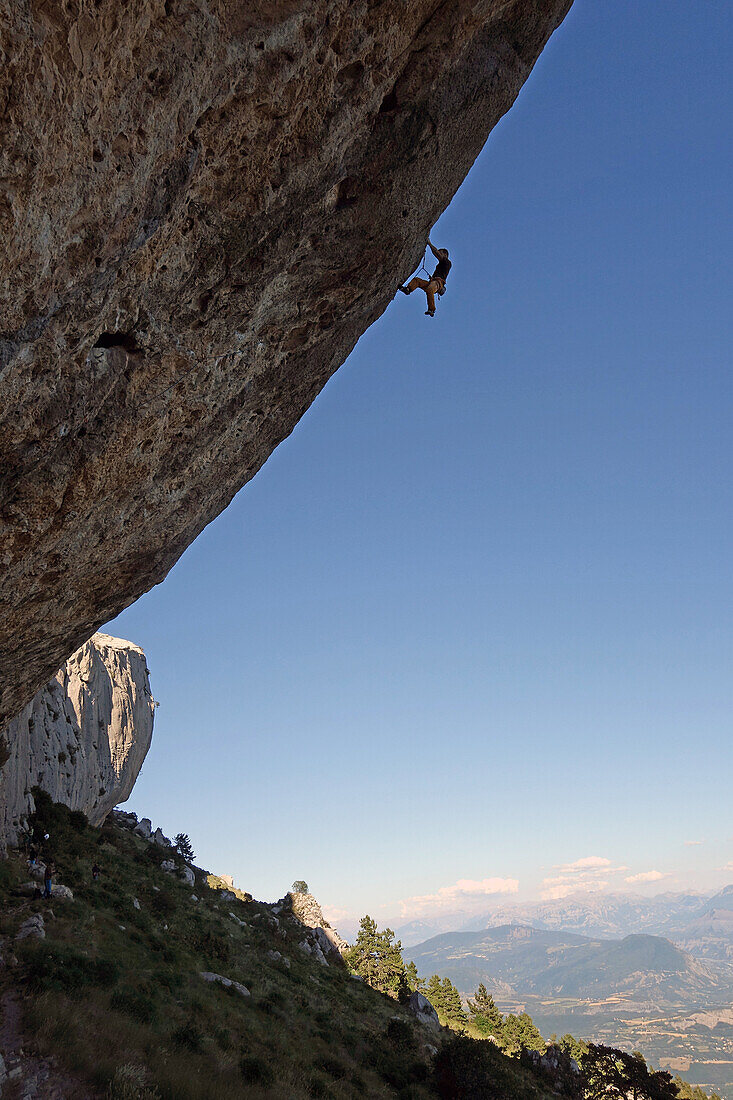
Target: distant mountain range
pixel 710 933
pixel 604 915
pixel 516 961
pixel 701 924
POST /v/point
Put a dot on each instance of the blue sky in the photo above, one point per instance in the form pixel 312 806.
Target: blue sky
pixel 471 622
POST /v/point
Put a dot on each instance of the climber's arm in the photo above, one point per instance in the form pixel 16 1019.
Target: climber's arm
pixel 433 249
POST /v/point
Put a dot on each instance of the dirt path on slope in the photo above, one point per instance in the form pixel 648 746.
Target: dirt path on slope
pixel 30 1077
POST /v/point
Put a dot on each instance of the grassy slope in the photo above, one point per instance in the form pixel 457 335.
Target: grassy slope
pixel 112 985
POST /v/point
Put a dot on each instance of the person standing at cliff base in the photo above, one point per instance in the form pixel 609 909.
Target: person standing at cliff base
pixel 436 283
pixel 48 879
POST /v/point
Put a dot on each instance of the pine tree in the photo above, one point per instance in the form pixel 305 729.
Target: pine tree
pixel 378 959
pixel 455 1017
pixel 434 993
pixel 183 845
pixel 574 1048
pixel 519 1033
pixel 413 979
pixel 484 1014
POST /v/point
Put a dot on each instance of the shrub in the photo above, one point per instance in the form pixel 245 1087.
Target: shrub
pixel 332 1066
pixel 66 970
pixel 163 903
pixel 188 1036
pixel 400 1034
pixel 318 1087
pixel 255 1071
pixel 210 944
pixel 137 1003
pixel 223 1038
pixel 467 1068
pixel 170 980
pixel 128 1083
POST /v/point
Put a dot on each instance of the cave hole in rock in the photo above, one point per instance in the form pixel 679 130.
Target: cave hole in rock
pixel 350 73
pixel 346 194
pixel 389 103
pixel 124 340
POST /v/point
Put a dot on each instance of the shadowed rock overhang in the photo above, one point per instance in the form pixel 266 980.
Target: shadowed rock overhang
pixel 202 207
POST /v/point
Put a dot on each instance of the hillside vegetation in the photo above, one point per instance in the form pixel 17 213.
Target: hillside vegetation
pixel 151 986
pixel 113 997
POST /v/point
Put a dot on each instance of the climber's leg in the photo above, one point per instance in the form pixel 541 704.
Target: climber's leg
pixel 430 289
pixel 416 284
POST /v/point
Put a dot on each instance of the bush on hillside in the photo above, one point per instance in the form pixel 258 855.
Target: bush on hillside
pixel 255 1071
pixel 137 1003
pixel 128 1083
pixel 52 967
pixel 469 1070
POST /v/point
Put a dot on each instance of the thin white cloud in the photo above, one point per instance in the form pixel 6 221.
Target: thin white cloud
pixel 466 892
pixel 646 876
pixel 693 843
pixel 554 893
pixel 587 863
pixel 726 867
pixel 333 914
pixel 586 875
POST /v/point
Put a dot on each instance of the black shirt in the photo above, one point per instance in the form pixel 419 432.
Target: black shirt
pixel 441 271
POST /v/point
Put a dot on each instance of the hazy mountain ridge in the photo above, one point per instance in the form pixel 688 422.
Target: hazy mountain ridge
pixel 710 934
pixel 604 915
pixel 527 962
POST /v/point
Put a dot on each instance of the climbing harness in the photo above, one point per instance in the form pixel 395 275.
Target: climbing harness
pixel 439 281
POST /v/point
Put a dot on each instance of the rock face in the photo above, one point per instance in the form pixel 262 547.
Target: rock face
pixel 202 207
pixel 308 911
pixel 83 737
pixel 424 1011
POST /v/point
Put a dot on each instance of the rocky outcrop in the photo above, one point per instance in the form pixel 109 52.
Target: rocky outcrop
pixel 307 910
pixel 202 207
pixel 424 1011
pixel 83 737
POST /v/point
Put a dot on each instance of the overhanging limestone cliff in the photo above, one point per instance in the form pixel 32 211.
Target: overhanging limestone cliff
pixel 202 207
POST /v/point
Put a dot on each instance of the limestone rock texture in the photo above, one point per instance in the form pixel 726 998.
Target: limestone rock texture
pixel 308 911
pixel 82 738
pixel 203 204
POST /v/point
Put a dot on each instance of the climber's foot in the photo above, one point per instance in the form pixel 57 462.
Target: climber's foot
pixel 429 312
pixel 403 289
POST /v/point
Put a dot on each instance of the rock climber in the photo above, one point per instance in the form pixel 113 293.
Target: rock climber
pixel 436 282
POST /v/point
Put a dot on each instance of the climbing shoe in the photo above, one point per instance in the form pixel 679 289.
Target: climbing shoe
pixel 429 312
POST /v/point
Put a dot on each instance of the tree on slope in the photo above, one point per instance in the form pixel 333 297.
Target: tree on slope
pixel 693 1092
pixel 378 959
pixel 484 1014
pixel 455 1016
pixel 434 993
pixel 519 1033
pixel 183 846
pixel 615 1075
pixel 413 979
pixel 574 1048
